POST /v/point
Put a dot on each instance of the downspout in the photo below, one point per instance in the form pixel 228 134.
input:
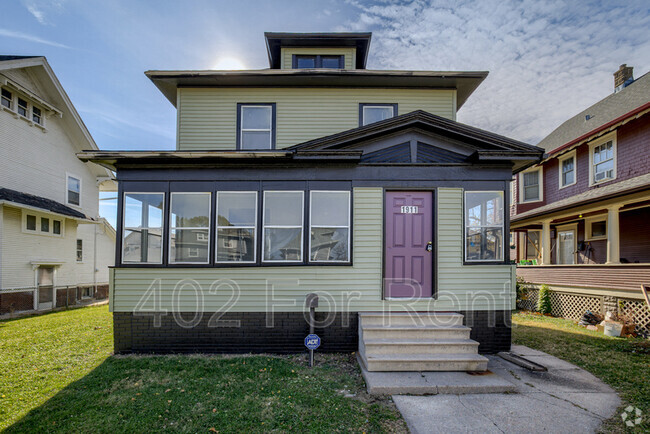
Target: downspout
pixel 95 262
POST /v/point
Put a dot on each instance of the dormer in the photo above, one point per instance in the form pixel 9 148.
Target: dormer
pixel 317 50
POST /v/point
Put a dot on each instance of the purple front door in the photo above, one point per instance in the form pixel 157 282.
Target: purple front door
pixel 409 244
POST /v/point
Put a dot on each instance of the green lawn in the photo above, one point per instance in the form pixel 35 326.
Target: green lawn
pixel 622 363
pixel 58 375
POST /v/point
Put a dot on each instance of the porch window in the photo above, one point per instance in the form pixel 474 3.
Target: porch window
pixel 531 190
pixel 30 222
pixel 283 219
pixel 190 218
pixel 6 98
pixel 484 217
pixel 143 223
pixel 533 245
pixel 236 226
pixel 567 170
pixel 329 225
pixel 603 162
pixel 596 229
pixel 45 225
pixel 56 227
pixel 371 113
pixel 256 126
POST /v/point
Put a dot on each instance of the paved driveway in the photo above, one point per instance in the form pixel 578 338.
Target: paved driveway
pixel 566 399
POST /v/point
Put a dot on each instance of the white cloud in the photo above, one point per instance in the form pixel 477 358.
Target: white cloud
pixel 547 60
pixel 37 13
pixel 31 38
pixel 41 8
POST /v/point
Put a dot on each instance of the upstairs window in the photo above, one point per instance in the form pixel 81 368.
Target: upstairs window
pixel 318 61
pixel 256 126
pixel 36 115
pixel 484 216
pixel 371 113
pixel 143 228
pixel 73 190
pixel 80 251
pixel 531 189
pixel 22 107
pixel 6 98
pixel 190 228
pixel 567 169
pixel 283 226
pixel 603 160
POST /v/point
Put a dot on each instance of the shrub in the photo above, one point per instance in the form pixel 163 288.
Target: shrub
pixel 544 300
pixel 522 289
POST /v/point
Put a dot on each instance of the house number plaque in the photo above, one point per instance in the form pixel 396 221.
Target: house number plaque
pixel 409 209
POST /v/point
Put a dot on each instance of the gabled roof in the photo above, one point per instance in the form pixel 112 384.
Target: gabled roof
pixel 41 203
pixel 487 146
pixel 615 107
pixel 275 41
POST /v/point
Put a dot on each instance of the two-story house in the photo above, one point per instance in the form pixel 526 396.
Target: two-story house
pixel 318 175
pixel 54 247
pixel 578 216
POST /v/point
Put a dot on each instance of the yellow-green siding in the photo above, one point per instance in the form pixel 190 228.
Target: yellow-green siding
pixel 207 117
pixel 350 288
pixel 350 54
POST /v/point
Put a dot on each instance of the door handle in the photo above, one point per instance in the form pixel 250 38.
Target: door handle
pixel 429 247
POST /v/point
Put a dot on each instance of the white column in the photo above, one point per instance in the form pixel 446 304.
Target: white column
pixel 613 240
pixel 546 242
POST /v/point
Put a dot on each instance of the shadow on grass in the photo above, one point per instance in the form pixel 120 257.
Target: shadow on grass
pixel 196 393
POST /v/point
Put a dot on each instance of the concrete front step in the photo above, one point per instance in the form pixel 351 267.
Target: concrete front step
pixel 444 319
pixel 420 346
pixel 424 362
pixel 413 332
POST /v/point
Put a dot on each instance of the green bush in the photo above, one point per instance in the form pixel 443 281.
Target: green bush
pixel 544 300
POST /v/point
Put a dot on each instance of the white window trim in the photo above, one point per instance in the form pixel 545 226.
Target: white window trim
pixel 560 160
pixel 502 226
pixel 588 229
pixel 513 192
pixel 242 129
pixel 572 227
pixel 330 226
pixel 38 231
pixel 255 234
pixel 540 178
pixel 371 106
pixel 601 140
pixel 172 227
pixel 29 115
pixel 130 228
pixel 76 249
pixel 302 226
pixel 72 175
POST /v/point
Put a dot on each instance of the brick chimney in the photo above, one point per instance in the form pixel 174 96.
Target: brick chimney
pixel 623 77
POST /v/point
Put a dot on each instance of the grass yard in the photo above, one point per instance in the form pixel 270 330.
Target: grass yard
pixel 58 375
pixel 624 364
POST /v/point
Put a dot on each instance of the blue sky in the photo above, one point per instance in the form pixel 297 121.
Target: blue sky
pixel 547 60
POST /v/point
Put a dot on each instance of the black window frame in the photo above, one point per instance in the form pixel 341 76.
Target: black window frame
pixel 240 105
pixel 7 98
pixel 369 104
pixel 318 60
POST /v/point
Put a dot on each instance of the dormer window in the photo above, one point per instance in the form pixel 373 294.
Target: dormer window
pixel 6 98
pixel 317 61
pixel 22 107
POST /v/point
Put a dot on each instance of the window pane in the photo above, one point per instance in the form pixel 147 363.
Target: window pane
pixel 22 107
pixel 533 246
pixel 331 62
pixel 236 245
pixel 329 244
pixel 30 223
pixel 329 208
pixel 142 245
pixel 236 208
pixel 256 118
pixel 282 244
pixel 484 208
pixel 56 227
pixel 484 244
pixel 190 210
pixel 567 165
pixel 604 170
pixel 599 229
pixel 45 225
pixel 306 61
pixel 531 178
pixel 80 251
pixel 189 245
pixel 376 114
pixel 283 208
pixel 74 190
pixel 256 140
pixel 531 192
pixel 143 210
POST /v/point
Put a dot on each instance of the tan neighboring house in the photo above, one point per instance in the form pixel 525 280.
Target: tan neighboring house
pixel 55 249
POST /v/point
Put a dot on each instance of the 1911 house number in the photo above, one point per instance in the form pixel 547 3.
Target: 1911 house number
pixel 409 209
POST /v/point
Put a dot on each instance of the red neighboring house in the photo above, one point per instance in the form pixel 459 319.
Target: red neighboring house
pixel 579 217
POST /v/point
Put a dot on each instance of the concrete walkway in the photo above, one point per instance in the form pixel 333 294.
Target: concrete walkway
pixel 566 399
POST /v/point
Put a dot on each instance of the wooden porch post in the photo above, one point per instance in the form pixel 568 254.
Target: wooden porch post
pixel 546 242
pixel 613 239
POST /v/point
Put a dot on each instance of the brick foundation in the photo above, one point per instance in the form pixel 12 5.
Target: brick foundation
pixel 137 333
pixel 16 301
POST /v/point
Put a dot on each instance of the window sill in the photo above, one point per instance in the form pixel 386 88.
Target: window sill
pixel 568 185
pixel 525 202
pixel 604 181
